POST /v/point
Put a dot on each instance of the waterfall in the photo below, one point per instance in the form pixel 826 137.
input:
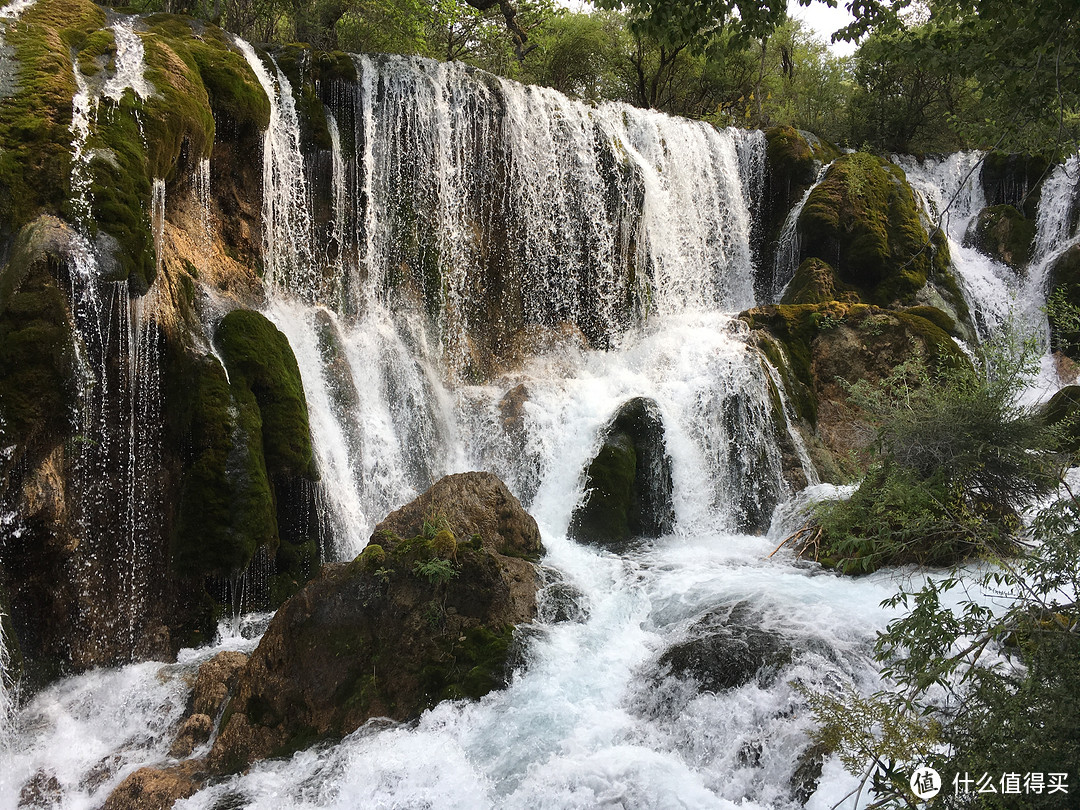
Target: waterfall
pixel 200 187
pixel 951 190
pixel 8 693
pixel 504 210
pixel 129 62
pixel 1056 229
pixel 788 247
pixel 287 231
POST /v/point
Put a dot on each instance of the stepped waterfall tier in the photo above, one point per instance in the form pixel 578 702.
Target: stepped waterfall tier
pixel 260 307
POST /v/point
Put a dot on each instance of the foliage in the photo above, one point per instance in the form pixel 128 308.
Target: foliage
pixel 996 686
pixel 436 571
pixel 957 458
pixel 1024 59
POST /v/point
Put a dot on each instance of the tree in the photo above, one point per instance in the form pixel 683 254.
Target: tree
pixel 1023 56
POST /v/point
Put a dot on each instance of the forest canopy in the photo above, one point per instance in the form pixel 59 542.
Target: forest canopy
pixel 928 75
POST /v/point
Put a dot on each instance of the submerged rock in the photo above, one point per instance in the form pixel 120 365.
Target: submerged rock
pixel 426 612
pixel 628 484
pixel 726 650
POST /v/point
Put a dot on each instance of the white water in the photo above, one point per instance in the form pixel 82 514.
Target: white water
pixel 129 63
pixel 788 245
pixel 990 288
pixel 589 722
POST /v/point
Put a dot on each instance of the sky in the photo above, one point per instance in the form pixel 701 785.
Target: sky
pixel 824 20
pixel 817 16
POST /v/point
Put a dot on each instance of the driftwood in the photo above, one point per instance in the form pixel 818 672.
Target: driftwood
pixel 804 539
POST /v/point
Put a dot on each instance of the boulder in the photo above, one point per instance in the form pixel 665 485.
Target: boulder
pixel 1064 301
pixel 726 650
pixel 215 680
pixel 1003 233
pixel 1063 413
pixel 426 612
pixel 863 221
pixel 157 788
pixel 628 483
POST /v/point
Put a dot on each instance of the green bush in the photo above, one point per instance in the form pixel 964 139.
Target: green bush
pixel 957 458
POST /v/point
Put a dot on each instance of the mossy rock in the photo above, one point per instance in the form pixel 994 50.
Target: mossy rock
pixel 303 68
pixel 815 282
pixel 35 137
pixel 1064 300
pixel 939 318
pixel 260 360
pixel 863 220
pixel 37 354
pixel 628 483
pixel 791 157
pixel 1003 233
pixel 226 508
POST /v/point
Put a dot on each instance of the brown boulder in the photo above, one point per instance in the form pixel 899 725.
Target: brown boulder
pixel 215 680
pixel 427 612
pixel 157 789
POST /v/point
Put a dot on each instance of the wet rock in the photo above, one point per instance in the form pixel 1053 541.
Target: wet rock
pixel 193 732
pixel 1064 297
pixel 628 484
pixel 1003 233
pixel 42 791
pixel 215 680
pixel 807 775
pixel 726 650
pixel 158 789
pixel 863 221
pixel 426 612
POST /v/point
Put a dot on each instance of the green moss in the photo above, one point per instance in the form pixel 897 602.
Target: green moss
pixel 790 156
pixel 261 362
pixel 35 142
pixel 863 220
pixel 471 667
pixel 226 506
pixel 815 282
pixel 37 386
pixel 936 316
pixel 609 499
pixel 372 558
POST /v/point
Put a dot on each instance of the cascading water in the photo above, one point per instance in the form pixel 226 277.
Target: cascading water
pixel 614 243
pixel 951 190
pixel 1000 298
pixel 788 247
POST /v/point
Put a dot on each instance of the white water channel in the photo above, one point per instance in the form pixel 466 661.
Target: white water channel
pixel 589 719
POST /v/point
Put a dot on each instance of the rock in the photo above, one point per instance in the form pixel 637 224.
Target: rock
pixel 215 680
pixel 815 282
pixel 863 221
pixel 807 775
pixel 1003 233
pixel 818 347
pixel 426 612
pixel 158 788
pixel 1013 179
pixel 1063 301
pixel 726 650
pixel 1063 413
pixel 628 484
pixel 42 790
pixel 793 160
pixel 193 732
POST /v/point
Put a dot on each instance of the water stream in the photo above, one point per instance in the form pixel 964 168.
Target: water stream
pixel 624 241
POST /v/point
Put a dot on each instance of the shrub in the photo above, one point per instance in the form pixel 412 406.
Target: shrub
pixel 956 458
